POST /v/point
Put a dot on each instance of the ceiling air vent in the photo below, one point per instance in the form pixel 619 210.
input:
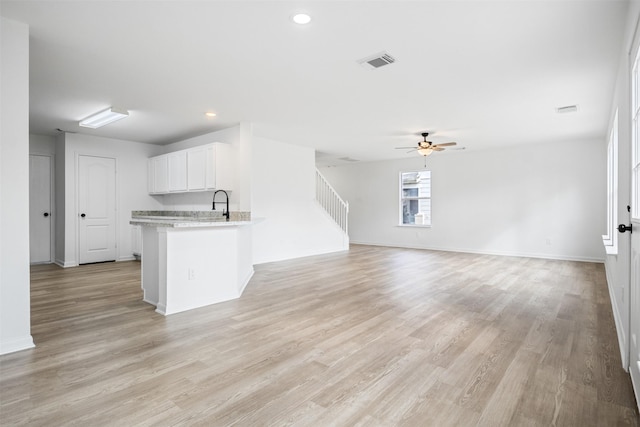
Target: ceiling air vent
pixel 376 61
pixel 567 109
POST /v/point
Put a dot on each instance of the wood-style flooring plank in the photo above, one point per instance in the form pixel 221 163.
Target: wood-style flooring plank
pixel 370 337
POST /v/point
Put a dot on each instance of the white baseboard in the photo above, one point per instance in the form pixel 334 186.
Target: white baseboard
pixel 473 251
pixel 246 282
pixel 306 255
pixel 161 309
pixel 74 264
pixel 64 264
pixel 617 317
pixel 149 301
pixel 16 344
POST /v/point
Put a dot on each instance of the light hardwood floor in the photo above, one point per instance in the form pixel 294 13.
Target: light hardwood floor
pixel 374 336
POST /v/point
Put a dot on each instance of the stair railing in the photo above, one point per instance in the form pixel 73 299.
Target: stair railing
pixel 332 203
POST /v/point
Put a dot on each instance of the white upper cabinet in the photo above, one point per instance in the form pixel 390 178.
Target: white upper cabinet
pixel 178 171
pixel 204 168
pixel 159 174
pixel 197 169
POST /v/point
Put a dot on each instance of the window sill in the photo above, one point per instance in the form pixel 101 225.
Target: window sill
pixel 414 225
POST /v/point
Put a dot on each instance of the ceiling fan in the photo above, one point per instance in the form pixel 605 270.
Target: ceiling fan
pixel 425 148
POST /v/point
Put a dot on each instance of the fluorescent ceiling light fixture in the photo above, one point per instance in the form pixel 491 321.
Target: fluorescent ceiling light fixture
pixel 105 117
pixel 301 18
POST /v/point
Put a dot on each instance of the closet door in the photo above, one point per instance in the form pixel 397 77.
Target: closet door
pixel 96 209
pixel 40 203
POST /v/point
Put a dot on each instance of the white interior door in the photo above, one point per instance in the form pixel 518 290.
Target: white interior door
pixel 96 209
pixel 40 225
pixel 634 311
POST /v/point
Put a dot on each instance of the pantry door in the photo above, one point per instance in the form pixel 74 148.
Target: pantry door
pixel 40 223
pixel 96 209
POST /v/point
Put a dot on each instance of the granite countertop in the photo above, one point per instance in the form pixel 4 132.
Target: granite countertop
pixel 188 219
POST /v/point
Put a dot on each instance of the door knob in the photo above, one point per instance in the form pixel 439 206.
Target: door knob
pixel 46 214
pixel 622 228
pixel 83 215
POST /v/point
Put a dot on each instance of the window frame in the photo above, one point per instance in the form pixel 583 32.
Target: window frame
pixel 402 198
pixel 610 240
pixel 635 139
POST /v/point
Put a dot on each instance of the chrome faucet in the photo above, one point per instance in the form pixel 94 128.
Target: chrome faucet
pixel 224 213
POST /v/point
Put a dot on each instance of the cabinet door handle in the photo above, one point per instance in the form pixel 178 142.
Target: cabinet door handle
pixel 46 214
pixel 83 215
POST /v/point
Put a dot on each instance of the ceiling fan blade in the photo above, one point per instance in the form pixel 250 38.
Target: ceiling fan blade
pixel 436 148
pixel 446 144
pixel 404 148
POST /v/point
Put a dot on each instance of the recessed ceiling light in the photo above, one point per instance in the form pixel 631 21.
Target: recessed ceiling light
pixel 210 114
pixel 301 18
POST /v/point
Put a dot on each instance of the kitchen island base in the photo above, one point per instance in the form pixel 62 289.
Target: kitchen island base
pixel 192 267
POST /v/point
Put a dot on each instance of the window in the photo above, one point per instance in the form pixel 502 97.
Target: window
pixel 611 238
pixel 415 198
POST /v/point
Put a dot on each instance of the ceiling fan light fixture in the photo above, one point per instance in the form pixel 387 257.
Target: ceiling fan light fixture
pixel 104 117
pixel 425 151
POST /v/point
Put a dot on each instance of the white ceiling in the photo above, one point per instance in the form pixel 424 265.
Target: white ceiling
pixel 482 73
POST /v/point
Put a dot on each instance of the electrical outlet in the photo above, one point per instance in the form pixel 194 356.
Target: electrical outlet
pixel 192 274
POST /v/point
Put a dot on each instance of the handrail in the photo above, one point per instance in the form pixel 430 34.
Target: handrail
pixel 331 201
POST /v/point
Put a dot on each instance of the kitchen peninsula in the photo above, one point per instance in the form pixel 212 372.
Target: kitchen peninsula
pixel 193 258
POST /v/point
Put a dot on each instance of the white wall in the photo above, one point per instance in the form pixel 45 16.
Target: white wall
pixel 59 200
pixel 290 224
pixel 15 328
pixel 42 144
pixel 244 164
pixel 617 263
pixel 227 136
pixel 131 188
pixel 509 201
pixel 276 183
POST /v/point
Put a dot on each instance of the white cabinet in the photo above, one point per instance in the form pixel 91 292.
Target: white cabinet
pixel 178 171
pixel 204 168
pixel 197 166
pixel 158 174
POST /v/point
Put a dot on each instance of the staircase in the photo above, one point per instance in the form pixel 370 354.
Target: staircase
pixel 329 199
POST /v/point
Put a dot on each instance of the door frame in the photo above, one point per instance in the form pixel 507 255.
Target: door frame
pixel 77 202
pixel 52 202
pixel 633 335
